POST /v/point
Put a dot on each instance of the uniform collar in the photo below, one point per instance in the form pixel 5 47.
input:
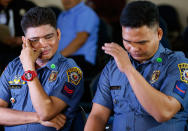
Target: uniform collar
pixel 154 58
pixel 53 63
pixel 160 50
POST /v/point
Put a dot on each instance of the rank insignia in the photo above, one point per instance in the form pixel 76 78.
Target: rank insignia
pixel 180 88
pixel 16 83
pixel 74 75
pixel 155 76
pixel 183 68
pixel 53 76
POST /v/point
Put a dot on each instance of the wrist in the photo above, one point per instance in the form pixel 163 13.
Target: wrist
pixel 37 118
pixel 26 68
pixel 29 75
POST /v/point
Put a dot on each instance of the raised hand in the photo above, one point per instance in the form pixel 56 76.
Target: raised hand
pixel 58 122
pixel 28 55
pixel 120 55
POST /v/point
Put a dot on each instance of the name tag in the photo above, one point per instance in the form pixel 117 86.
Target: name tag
pixel 115 87
pixel 15 87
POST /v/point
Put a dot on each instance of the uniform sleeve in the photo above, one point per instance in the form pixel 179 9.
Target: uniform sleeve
pixel 4 85
pixel 176 82
pixel 69 87
pixel 87 22
pixel 103 94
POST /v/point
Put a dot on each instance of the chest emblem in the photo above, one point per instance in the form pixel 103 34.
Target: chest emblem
pixel 155 76
pixel 53 76
pixel 183 68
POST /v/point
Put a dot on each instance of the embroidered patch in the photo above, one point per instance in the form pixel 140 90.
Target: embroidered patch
pixel 53 76
pixel 155 76
pixel 180 88
pixel 74 75
pixel 68 89
pixel 183 68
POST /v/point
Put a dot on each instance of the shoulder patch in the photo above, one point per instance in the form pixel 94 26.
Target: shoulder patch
pixel 68 89
pixel 74 75
pixel 183 68
pixel 180 88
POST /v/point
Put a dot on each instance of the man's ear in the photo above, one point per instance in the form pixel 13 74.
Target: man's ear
pixel 58 34
pixel 23 39
pixel 160 33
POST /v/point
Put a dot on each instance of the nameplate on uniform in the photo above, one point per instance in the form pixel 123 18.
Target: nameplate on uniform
pixel 115 87
pixel 14 86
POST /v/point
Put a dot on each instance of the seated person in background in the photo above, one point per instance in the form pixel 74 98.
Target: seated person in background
pixel 145 84
pixel 40 90
pixel 79 33
pixel 11 12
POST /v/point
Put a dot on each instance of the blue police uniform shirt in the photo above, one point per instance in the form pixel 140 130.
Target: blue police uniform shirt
pixel 80 18
pixel 60 77
pixel 166 71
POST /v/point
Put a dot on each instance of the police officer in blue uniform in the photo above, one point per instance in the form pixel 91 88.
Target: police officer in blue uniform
pixel 40 90
pixel 145 84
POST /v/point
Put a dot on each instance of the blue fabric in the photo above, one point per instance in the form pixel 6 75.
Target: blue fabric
pixel 80 18
pixel 115 92
pixel 53 86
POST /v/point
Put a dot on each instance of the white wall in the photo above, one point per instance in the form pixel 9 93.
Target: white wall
pixel 180 5
pixel 48 2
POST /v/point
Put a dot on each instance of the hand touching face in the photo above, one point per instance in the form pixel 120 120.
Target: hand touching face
pixel 28 55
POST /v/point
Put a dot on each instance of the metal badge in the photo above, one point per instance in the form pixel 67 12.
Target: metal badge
pixel 12 100
pixel 53 76
pixel 155 76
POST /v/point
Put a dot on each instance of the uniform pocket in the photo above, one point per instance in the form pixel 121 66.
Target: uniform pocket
pixel 18 95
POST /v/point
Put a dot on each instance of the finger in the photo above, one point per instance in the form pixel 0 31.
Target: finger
pixel 28 43
pixel 63 116
pixel 61 120
pixel 23 45
pixel 52 124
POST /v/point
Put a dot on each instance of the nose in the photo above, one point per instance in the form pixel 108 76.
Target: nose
pixel 134 47
pixel 43 42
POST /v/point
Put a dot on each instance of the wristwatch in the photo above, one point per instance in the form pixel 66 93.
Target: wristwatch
pixel 29 75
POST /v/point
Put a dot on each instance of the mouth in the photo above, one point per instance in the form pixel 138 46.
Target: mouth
pixel 45 52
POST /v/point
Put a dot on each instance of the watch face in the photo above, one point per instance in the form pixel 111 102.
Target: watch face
pixel 28 76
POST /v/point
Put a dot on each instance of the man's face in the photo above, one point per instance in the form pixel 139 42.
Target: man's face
pixel 68 4
pixel 43 37
pixel 142 43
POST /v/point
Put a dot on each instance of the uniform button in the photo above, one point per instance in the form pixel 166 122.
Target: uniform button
pixel 115 101
pixel 128 128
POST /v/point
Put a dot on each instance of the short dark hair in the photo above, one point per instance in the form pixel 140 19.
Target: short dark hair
pixel 38 16
pixel 139 13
